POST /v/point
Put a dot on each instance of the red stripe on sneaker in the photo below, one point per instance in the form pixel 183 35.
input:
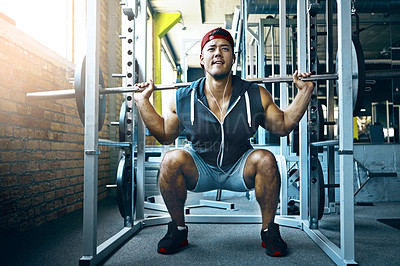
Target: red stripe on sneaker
pixel 162 250
pixel 263 244
pixel 184 243
pixel 276 254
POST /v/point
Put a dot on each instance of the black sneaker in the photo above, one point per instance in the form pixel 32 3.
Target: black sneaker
pixel 273 242
pixel 174 240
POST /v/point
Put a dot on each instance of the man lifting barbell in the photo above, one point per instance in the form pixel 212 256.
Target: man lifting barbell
pixel 220 112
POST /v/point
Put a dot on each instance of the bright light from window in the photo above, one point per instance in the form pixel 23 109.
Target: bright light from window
pixel 44 20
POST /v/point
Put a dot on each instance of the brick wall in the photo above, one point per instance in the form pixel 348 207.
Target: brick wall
pixel 41 143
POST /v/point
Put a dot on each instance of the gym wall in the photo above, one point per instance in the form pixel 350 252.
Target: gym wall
pixel 41 143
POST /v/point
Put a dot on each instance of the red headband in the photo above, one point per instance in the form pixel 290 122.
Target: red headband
pixel 217 35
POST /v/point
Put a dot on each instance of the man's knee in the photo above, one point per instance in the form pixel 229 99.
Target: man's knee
pixel 174 158
pixel 264 159
pixel 178 167
pixel 261 165
pixel 171 163
pixel 267 167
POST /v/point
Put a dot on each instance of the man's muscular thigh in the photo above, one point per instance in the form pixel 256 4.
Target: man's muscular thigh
pixel 177 162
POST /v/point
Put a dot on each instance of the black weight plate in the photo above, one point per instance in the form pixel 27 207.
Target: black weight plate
pixel 122 122
pixel 321 203
pixel 358 97
pixel 321 121
pixel 80 76
pixel 120 186
pixel 126 196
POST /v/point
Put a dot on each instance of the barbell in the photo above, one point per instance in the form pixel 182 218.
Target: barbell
pixel 65 94
pixel 359 77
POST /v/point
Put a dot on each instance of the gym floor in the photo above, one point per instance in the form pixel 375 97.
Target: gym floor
pixel 60 242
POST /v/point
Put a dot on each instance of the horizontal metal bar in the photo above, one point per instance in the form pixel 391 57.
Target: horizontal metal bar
pixel 333 142
pixel 106 142
pixel 290 78
pixel 382 74
pixel 49 95
pixel 218 204
pixel 382 174
pixel 224 219
pixel 331 185
pixel 289 220
pixel 64 94
pixel 156 220
pixel 155 206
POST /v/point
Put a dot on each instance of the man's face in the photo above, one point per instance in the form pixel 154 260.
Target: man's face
pixel 217 58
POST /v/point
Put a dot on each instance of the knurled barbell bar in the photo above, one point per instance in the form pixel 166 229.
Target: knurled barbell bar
pixel 359 77
pixel 65 94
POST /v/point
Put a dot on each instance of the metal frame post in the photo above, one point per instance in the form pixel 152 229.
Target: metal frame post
pixel 283 96
pixel 330 98
pixel 345 132
pixel 313 119
pixel 184 53
pixel 93 254
pixel 343 255
pixel 141 45
pixel 243 51
pixel 303 129
pixel 91 131
pixel 261 132
pixel 128 63
pixel 272 30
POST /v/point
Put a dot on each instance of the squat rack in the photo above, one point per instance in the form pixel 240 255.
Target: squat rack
pixel 93 254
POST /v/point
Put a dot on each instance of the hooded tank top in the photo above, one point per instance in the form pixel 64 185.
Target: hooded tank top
pixel 220 143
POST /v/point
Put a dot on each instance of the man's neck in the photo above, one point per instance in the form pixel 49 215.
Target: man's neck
pixel 218 86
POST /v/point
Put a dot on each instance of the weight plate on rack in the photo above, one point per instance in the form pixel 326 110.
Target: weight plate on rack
pixel 358 96
pixel 321 203
pixel 358 75
pixel 80 76
pixel 321 120
pixel 126 191
pixel 122 122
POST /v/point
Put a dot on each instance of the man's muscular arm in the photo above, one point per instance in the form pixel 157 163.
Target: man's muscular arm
pixel 164 128
pixel 282 122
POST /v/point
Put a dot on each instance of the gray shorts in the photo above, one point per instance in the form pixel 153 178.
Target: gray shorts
pixel 211 177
